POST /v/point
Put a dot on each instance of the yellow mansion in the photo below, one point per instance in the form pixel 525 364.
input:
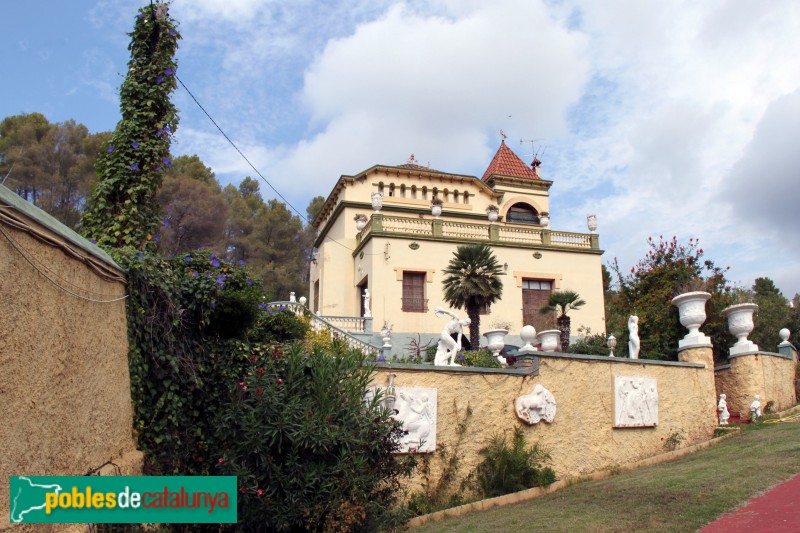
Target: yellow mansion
pixel 381 230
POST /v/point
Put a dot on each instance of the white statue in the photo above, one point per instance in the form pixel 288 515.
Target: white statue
pixel 448 347
pixel 722 408
pixel 416 409
pixel 367 313
pixel 633 336
pixel 291 297
pixel 540 404
pixel 755 407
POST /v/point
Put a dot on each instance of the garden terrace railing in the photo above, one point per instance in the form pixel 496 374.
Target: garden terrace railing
pixel 318 323
pixel 438 228
pixel 350 324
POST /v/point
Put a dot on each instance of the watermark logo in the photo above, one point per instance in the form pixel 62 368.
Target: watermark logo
pixel 122 499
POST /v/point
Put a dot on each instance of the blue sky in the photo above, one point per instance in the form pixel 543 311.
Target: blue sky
pixel 663 118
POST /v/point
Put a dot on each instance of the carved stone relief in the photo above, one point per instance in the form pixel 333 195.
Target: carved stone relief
pixel 539 405
pixel 635 402
pixel 415 407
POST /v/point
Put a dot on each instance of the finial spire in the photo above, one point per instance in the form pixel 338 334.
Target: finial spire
pixel 503 135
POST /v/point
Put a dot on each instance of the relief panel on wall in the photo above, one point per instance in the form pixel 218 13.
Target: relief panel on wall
pixel 635 402
pixel 415 407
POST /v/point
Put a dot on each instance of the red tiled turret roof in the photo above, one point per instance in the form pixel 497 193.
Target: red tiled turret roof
pixel 507 163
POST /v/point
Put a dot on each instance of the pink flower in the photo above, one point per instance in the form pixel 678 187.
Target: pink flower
pixel 280 381
pixel 220 460
pixel 260 492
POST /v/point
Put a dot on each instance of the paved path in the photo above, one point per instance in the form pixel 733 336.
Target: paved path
pixel 776 511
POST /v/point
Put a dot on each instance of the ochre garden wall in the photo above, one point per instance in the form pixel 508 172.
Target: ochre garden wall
pixel 770 375
pixel 64 384
pixel 582 437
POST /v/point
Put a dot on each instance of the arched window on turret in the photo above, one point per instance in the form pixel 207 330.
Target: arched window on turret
pixel 522 213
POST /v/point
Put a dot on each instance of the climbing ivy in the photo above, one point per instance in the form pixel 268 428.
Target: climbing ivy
pixel 123 210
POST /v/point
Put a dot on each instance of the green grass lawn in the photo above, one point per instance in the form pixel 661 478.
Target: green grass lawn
pixel 680 495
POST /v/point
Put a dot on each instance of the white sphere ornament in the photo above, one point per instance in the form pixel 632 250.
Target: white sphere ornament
pixel 528 336
pixel 303 300
pixel 784 334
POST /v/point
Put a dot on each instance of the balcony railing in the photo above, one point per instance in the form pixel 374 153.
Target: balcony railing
pixel 380 224
pixel 415 305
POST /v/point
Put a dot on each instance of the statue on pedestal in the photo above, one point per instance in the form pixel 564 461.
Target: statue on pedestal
pixel 367 313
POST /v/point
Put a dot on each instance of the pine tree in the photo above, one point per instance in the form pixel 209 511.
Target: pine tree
pixel 123 210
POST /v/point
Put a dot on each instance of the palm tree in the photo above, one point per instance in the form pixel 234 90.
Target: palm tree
pixel 472 281
pixel 561 302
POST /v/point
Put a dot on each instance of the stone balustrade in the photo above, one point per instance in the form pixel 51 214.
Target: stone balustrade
pixel 450 230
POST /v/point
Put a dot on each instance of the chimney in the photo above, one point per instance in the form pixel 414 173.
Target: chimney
pixel 535 166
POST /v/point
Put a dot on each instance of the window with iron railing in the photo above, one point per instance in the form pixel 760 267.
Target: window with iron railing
pixel 414 300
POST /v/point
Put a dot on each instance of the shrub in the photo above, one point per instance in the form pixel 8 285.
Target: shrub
pixel 590 344
pixel 512 467
pixel 309 451
pixel 479 358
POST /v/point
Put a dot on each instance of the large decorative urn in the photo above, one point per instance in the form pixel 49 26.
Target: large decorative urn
pixel 492 214
pixel 692 311
pixel 591 223
pixel 495 340
pixel 740 324
pixel 550 339
pixel 377 201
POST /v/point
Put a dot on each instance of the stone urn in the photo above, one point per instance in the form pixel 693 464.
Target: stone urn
pixel 740 324
pixel 492 214
pixel 495 340
pixel 692 311
pixel 591 223
pixel 544 220
pixel 377 201
pixel 361 221
pixel 550 339
pixel 436 210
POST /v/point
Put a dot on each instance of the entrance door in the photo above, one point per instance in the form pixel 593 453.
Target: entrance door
pixel 361 286
pixel 535 293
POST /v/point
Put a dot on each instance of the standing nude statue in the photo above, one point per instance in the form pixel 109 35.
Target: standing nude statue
pixel 722 409
pixel 448 347
pixel 633 336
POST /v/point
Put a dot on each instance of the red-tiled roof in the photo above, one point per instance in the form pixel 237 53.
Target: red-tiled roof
pixel 507 163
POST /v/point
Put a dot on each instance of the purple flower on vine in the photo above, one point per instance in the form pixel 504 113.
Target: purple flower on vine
pixel 134 145
pixel 249 281
pixel 158 169
pixel 281 308
pixel 221 280
pixel 171 31
pixel 214 261
pixel 156 238
pixel 381 359
pixel 165 222
pixel 134 166
pixel 241 262
pixel 139 16
pixel 169 72
pixel 194 273
pixel 159 79
pixel 94 241
pixel 140 254
pixel 188 259
pixel 110 149
pixel 167 162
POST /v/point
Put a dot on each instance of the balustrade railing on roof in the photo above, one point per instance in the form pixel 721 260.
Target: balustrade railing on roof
pixel 469 231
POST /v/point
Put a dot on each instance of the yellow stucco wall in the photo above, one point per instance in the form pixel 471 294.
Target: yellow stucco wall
pixel 64 384
pixel 383 257
pixel 768 375
pixel 582 437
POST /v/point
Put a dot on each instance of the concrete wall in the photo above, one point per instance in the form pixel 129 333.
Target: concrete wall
pixel 64 384
pixel 582 437
pixel 770 375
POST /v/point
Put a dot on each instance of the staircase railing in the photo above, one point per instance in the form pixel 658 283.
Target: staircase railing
pixel 318 324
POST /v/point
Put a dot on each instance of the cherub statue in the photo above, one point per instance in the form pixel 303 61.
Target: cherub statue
pixel 755 407
pixel 448 347
pixel 722 408
pixel 633 336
